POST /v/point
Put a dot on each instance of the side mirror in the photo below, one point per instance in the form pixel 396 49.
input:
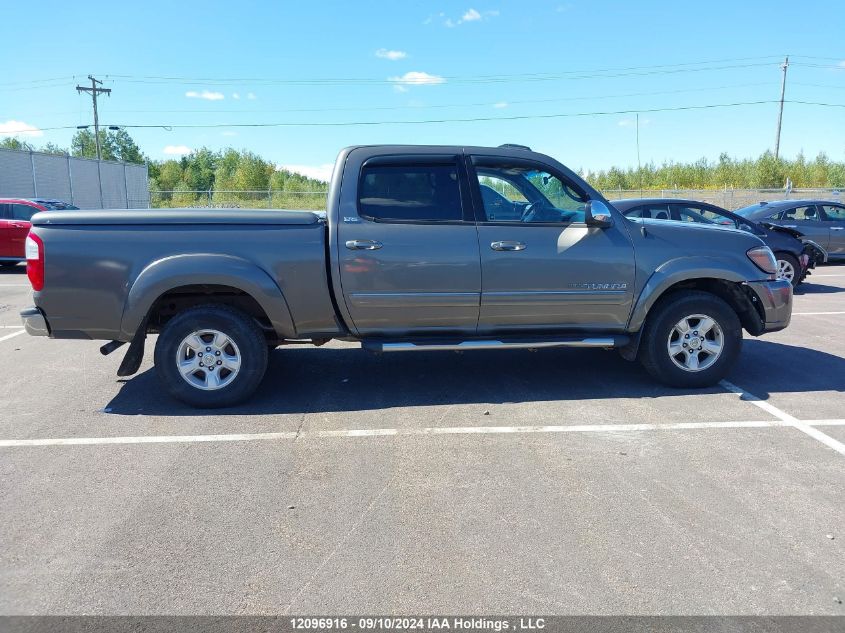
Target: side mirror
pixel 597 214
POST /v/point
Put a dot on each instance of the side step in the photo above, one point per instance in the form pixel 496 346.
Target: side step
pixel 376 345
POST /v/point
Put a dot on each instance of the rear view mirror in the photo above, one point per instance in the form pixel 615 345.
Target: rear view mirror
pixel 597 214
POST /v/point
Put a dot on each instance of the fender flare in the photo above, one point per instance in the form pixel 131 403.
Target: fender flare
pixel 676 271
pixel 175 271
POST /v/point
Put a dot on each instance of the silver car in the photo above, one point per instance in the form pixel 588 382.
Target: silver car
pixel 822 221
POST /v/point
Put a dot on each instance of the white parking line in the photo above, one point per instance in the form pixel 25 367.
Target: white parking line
pixel 399 432
pixel 787 419
pixel 15 286
pixel 11 327
pixel 12 335
pixel 815 313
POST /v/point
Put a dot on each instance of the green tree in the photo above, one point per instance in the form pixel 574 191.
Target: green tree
pixel 114 145
pixel 12 142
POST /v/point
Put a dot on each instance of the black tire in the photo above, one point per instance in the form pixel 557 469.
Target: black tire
pixel 796 266
pixel 240 328
pixel 654 352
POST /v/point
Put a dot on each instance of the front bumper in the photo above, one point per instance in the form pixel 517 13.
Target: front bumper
pixel 34 322
pixel 775 298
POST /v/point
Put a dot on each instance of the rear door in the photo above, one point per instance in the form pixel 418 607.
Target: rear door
pixel 408 247
pixel 5 231
pixel 834 216
pixel 543 268
pixel 19 225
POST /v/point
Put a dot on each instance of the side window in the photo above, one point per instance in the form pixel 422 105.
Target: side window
pixel 656 211
pixel 801 214
pixel 5 214
pixel 704 215
pixel 23 212
pixel 834 213
pixel 410 192
pixel 528 193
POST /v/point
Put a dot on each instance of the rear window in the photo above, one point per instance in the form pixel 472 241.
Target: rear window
pixel 410 192
pixel 58 206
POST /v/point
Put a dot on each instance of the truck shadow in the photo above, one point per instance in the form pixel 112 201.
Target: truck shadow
pixel 812 288
pixel 307 380
pixel 18 270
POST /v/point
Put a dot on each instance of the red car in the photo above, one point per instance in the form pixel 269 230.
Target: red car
pixel 15 214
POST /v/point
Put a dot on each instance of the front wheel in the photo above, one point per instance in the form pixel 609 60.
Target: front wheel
pixel 789 268
pixel 691 339
pixel 211 356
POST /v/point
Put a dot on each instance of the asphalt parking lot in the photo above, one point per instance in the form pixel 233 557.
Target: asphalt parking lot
pixel 485 482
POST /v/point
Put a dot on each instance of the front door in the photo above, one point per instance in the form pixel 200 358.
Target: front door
pixel 543 268
pixel 408 258
pixel 834 216
pixel 806 218
pixel 19 225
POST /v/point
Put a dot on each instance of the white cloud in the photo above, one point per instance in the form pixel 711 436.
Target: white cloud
pixel 470 15
pixel 229 133
pixel 415 78
pixel 251 96
pixel 563 8
pixel 842 64
pixel 501 104
pixel 176 150
pixel 236 96
pixel 208 95
pixel 318 172
pixel 393 56
pixel 19 128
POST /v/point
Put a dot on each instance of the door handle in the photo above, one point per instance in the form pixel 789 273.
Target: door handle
pixel 363 245
pixel 508 246
pixel 17 225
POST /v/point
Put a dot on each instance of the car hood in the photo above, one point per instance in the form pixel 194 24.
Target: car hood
pixel 782 229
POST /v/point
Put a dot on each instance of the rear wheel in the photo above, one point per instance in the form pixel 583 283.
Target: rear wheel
pixel 691 339
pixel 788 268
pixel 211 356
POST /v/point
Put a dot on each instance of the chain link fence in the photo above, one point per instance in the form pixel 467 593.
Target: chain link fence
pixel 298 200
pixel 316 200
pixel 730 199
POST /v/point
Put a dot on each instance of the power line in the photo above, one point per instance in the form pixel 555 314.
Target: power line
pixel 428 121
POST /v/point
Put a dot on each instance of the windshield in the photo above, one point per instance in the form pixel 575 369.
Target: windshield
pixel 747 211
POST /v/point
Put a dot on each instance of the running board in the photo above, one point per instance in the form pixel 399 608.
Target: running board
pixel 437 346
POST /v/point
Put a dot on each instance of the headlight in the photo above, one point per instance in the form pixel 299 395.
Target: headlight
pixel 764 259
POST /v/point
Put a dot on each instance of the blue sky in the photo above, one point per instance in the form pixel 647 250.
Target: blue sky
pixel 338 62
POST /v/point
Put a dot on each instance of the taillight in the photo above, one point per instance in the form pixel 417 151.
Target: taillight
pixel 35 261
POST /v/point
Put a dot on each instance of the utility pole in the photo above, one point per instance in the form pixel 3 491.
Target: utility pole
pixel 94 90
pixel 639 166
pixel 783 67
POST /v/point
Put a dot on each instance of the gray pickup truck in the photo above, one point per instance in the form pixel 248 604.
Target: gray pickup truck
pixel 420 248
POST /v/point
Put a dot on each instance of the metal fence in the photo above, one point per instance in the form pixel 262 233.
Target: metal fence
pixel 83 182
pixel 316 200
